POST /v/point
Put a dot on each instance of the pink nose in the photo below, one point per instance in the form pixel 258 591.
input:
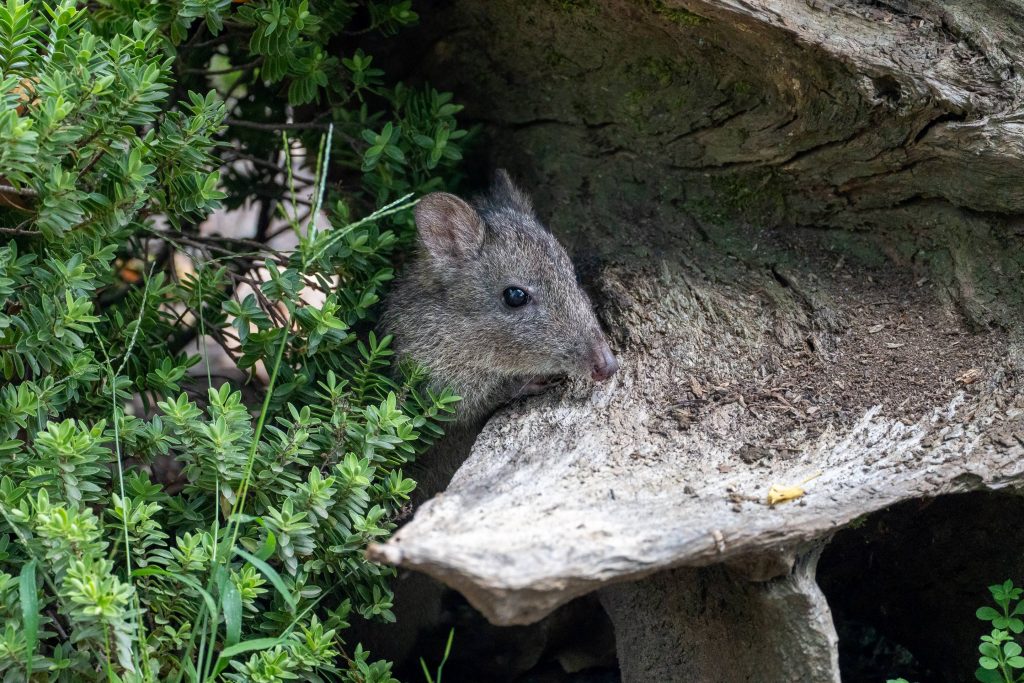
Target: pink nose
pixel 602 361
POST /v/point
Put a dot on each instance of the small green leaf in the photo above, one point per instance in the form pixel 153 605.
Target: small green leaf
pixel 988 663
pixel 271 575
pixel 987 614
pixel 985 676
pixel 395 153
pixel 266 550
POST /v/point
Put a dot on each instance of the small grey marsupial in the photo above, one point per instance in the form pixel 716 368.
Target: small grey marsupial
pixel 491 306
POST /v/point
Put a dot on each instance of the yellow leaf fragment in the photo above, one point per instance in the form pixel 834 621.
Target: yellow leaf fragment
pixel 780 493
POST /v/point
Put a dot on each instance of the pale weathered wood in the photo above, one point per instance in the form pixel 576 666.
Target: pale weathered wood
pixel 565 493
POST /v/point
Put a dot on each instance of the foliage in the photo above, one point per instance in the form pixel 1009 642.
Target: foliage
pixel 436 677
pixel 165 515
pixel 1001 660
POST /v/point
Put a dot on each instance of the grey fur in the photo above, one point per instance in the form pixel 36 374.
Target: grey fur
pixel 447 311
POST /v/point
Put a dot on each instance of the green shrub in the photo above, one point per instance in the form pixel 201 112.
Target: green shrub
pixel 122 126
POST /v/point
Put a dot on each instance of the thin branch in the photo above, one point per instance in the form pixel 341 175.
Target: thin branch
pixel 273 127
pixel 287 227
pixel 266 304
pixel 243 242
pixel 232 352
pixel 263 163
pixel 229 70
pixel 26 191
pixel 218 244
pixel 222 38
pixel 240 82
pixel 191 44
pixel 92 162
pixel 19 229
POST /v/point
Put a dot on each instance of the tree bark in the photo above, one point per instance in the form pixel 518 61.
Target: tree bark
pixel 802 226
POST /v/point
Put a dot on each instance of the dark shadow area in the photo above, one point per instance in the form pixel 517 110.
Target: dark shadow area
pixel 905 583
pixel 575 644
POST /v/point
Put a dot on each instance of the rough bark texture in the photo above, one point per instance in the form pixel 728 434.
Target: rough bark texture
pixel 804 226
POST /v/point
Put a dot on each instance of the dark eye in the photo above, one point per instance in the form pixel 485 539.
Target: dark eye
pixel 515 297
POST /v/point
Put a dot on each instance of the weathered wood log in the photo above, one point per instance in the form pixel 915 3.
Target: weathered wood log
pixel 804 220
pixel 672 464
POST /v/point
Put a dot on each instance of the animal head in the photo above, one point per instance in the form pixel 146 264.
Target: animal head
pixel 508 287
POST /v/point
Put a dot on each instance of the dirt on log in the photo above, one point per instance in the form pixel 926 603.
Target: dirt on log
pixel 802 225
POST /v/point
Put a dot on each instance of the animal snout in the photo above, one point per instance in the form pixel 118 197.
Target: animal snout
pixel 603 363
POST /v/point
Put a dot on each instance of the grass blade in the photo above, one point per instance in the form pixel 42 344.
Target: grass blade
pixel 247 646
pixel 250 645
pixel 447 652
pixel 444 659
pixel 29 611
pixel 231 606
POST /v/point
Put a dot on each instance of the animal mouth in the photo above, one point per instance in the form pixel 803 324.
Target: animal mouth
pixel 540 383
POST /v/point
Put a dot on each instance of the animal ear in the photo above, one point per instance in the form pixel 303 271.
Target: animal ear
pixel 448 227
pixel 505 191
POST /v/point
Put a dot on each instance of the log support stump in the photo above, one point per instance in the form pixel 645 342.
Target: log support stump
pixel 713 624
